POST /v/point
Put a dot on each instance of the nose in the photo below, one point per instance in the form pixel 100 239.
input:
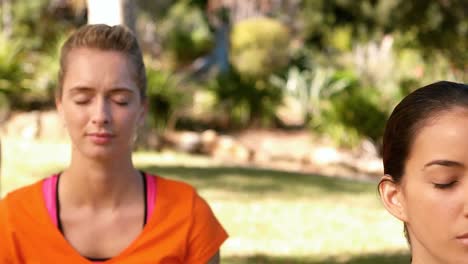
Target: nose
pixel 101 112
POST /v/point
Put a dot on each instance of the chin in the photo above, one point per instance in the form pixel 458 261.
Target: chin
pixel 101 152
pixel 99 155
pixel 97 152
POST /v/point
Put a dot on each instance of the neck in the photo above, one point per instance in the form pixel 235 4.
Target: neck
pixel 99 183
pixel 420 254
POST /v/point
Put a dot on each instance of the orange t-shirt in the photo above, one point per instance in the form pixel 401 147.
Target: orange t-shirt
pixel 182 229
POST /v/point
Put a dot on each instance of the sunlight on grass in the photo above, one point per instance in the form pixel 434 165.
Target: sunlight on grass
pixel 271 216
pixel 25 161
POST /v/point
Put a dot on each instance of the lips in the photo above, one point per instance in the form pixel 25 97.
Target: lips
pixel 100 138
pixel 463 239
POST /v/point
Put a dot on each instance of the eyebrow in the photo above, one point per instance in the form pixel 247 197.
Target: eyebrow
pixel 79 89
pixel 121 89
pixel 445 163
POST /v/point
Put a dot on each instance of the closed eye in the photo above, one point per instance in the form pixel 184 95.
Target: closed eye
pixel 444 185
pixel 121 103
pixel 81 102
pixel 81 98
pixel 121 98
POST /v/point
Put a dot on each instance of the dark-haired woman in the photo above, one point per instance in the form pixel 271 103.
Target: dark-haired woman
pixel 425 155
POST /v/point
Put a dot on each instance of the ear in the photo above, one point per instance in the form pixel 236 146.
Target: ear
pixel 392 197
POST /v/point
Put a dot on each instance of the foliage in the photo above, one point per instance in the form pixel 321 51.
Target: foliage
pixel 44 73
pixel 245 101
pixel 439 26
pixel 186 33
pixel 309 87
pixel 334 25
pixel 337 103
pixel 12 73
pixel 259 47
pixel 345 62
pixel 29 58
pixel 352 113
pixel 163 97
pixel 38 23
pixel 28 78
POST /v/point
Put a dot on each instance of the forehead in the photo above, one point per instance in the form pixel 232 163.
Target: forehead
pixel 93 55
pixel 98 68
pixel 442 136
pixel 447 120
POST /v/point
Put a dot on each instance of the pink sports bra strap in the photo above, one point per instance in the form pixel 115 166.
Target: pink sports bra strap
pixel 150 195
pixel 48 188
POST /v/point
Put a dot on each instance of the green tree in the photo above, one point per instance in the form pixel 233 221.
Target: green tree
pixel 431 26
pixel 440 26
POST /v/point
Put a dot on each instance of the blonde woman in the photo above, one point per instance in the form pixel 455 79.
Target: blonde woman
pixel 101 208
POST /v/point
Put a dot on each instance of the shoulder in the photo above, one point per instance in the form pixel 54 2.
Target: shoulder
pixel 177 192
pixel 21 197
pixel 25 204
pixel 180 194
pixel 173 195
pixel 186 211
pixel 174 184
pixel 19 206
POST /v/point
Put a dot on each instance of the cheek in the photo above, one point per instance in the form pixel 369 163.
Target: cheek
pixel 432 207
pixel 74 119
pixel 127 119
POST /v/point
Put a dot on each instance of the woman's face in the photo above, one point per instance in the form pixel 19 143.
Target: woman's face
pixel 100 103
pixel 433 194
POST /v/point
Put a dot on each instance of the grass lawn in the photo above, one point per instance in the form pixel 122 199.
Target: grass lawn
pixel 271 216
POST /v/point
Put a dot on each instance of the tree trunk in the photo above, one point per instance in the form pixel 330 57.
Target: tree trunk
pixel 7 18
pixel 112 12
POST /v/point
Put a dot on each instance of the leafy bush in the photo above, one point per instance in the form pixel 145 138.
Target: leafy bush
pixel 28 53
pixel 259 47
pixel 352 113
pixel 163 98
pixel 39 22
pixel 12 74
pixel 43 82
pixel 308 87
pixel 186 33
pixel 28 78
pixel 336 103
pixel 245 101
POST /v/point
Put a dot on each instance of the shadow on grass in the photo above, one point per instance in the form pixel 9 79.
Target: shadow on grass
pixel 393 258
pixel 265 181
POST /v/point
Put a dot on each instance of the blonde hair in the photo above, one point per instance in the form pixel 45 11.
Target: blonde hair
pixel 106 38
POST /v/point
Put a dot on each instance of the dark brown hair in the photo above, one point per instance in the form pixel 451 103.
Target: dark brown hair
pixel 106 38
pixel 409 116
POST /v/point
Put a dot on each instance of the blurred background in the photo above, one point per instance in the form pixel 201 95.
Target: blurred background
pixel 273 109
